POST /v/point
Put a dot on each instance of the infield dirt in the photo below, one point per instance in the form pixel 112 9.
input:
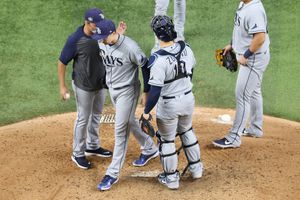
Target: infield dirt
pixel 35 163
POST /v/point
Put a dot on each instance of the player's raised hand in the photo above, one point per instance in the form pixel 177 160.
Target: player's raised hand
pixel 121 28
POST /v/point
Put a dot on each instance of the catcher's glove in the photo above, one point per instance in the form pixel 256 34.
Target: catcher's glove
pixel 228 60
pixel 146 125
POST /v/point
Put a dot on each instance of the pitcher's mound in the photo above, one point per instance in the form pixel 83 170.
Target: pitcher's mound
pixel 35 163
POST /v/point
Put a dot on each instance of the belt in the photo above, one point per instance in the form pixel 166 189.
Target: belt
pixel 173 97
pixel 264 52
pixel 119 88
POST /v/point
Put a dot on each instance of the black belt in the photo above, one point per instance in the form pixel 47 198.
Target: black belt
pixel 173 97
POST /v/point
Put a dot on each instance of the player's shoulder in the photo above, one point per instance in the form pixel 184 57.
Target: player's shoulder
pixel 129 42
pixel 155 59
pixel 254 8
pixel 75 36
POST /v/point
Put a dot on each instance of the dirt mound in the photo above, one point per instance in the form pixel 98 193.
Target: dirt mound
pixel 35 163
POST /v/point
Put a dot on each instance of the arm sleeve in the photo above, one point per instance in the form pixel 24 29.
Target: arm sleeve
pixel 68 52
pixel 256 22
pixel 146 76
pixel 152 99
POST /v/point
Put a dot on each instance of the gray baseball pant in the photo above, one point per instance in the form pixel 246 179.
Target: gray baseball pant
pixel 86 128
pixel 125 102
pixel 249 98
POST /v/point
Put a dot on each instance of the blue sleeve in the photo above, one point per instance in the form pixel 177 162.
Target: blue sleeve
pixel 69 51
pixel 152 99
pixel 146 76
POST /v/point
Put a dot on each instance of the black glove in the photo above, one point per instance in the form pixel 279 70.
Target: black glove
pixel 228 60
pixel 146 125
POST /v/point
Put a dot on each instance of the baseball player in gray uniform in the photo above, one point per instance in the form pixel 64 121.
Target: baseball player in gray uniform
pixel 122 57
pixel 250 41
pixel 170 81
pixel 161 8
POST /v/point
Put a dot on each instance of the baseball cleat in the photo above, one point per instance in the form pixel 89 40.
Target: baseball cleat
pixel 247 134
pixel 224 143
pixel 101 152
pixel 143 159
pixel 81 162
pixel 171 181
pixel 107 182
pixel 196 174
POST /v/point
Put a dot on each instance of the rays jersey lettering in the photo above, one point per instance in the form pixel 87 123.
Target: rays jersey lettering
pixel 237 20
pixel 112 61
pixel 121 62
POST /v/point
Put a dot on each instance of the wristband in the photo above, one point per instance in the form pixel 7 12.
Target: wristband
pixel 248 53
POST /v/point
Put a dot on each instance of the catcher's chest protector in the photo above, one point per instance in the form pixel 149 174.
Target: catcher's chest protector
pixel 180 67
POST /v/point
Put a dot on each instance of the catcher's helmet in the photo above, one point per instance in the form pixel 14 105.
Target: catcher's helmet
pixel 163 28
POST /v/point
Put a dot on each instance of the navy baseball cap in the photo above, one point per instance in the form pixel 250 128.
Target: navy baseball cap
pixel 104 29
pixel 94 15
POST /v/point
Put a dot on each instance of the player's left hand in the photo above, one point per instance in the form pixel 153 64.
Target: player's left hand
pixel 121 28
pixel 146 126
pixel 242 60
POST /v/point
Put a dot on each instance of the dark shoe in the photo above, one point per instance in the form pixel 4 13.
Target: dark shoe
pixel 81 162
pixel 101 152
pixel 224 143
pixel 143 159
pixel 107 182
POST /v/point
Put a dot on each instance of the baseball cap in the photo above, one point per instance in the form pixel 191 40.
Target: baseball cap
pixel 94 15
pixel 104 28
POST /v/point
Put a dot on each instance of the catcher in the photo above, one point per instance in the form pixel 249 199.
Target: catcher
pixel 170 87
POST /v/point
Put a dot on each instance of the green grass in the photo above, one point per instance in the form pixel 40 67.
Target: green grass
pixel 33 33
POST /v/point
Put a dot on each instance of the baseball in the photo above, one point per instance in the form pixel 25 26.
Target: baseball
pixel 67 96
pixel 225 118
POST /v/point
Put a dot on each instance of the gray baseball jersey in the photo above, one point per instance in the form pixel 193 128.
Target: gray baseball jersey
pixel 165 68
pixel 122 61
pixel 175 108
pixel 250 18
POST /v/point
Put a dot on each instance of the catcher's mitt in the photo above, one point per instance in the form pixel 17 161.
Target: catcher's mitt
pixel 146 125
pixel 228 60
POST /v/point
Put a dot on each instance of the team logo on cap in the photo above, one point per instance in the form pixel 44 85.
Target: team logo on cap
pixel 98 30
pixel 90 19
pixel 101 15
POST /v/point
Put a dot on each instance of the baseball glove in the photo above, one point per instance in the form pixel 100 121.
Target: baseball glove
pixel 146 125
pixel 228 60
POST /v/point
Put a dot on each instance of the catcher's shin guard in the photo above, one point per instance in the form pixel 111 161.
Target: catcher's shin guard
pixel 168 155
pixel 191 149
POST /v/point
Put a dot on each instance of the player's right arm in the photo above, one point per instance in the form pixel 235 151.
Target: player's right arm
pixel 156 82
pixel 61 70
pixel 66 56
